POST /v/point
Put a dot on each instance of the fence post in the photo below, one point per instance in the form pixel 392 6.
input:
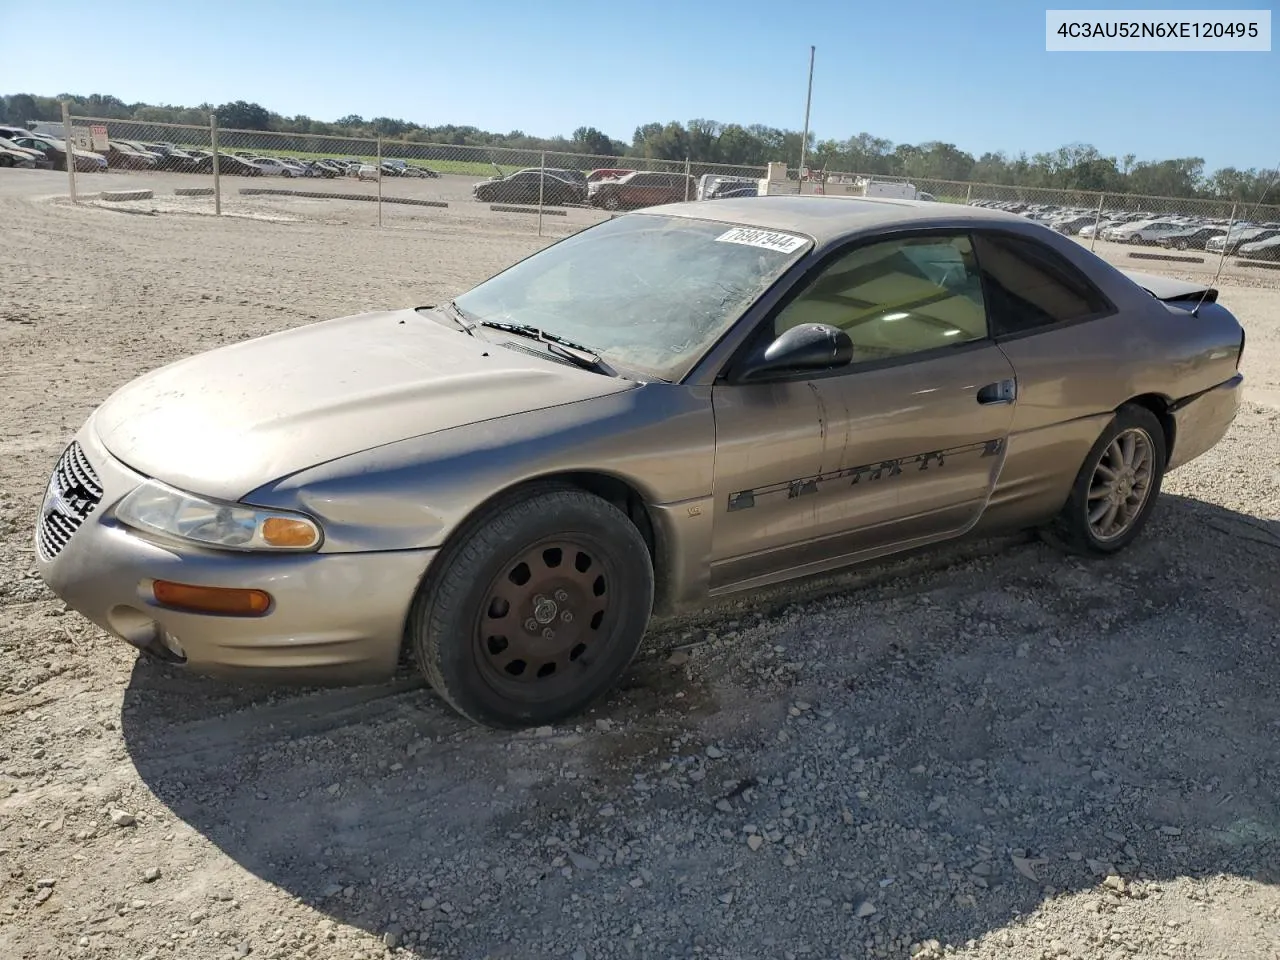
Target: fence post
pixel 968 194
pixel 687 172
pixel 1097 222
pixel 217 182
pixel 379 179
pixel 71 148
pixel 542 182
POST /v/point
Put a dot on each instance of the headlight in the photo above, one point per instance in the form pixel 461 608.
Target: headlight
pixel 162 509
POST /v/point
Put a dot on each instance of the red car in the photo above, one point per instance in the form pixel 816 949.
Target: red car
pixel 642 189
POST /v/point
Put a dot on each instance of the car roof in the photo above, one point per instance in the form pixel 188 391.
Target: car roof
pixel 827 218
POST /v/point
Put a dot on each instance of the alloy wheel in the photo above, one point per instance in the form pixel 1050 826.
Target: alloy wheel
pixel 1121 484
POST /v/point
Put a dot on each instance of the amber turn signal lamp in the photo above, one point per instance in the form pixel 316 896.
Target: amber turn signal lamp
pixel 225 601
pixel 283 532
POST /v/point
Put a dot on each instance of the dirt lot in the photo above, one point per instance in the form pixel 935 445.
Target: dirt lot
pixel 989 750
pixel 453 190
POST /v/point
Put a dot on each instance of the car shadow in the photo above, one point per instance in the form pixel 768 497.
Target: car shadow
pixel 1044 723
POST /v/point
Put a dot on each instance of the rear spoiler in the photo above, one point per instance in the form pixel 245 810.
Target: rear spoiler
pixel 1169 290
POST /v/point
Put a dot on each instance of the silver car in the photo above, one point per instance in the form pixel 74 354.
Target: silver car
pixel 680 403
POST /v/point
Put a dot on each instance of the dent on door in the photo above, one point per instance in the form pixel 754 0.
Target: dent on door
pixel 812 475
pixel 769 439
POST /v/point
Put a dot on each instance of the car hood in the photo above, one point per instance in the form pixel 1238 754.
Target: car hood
pixel 223 423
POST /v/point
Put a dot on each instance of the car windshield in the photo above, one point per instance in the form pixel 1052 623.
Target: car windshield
pixel 647 292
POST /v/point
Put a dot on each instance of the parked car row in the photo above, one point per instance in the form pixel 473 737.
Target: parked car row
pixel 331 167
pixel 14 155
pixel 21 145
pixel 619 188
pixel 1250 240
pixel 608 188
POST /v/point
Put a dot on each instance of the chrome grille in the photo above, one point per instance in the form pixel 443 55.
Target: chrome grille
pixel 74 492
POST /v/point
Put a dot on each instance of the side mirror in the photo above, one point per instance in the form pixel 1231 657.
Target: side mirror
pixel 807 347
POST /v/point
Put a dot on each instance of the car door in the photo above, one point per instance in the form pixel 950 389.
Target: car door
pixel 1067 343
pixel 519 188
pixel 556 190
pixel 646 190
pixel 899 448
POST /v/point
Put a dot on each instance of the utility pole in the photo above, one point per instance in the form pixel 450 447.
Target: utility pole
pixel 804 139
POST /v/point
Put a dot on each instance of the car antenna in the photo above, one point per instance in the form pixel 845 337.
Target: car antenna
pixel 1226 239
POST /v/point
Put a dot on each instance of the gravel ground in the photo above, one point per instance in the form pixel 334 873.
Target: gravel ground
pixel 985 751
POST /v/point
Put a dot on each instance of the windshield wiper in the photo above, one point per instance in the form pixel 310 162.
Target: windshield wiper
pixel 455 313
pixel 584 357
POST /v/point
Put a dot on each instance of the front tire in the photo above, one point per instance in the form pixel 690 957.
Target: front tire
pixel 1116 488
pixel 538 607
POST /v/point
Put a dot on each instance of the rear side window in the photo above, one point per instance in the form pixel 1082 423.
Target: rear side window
pixel 1029 286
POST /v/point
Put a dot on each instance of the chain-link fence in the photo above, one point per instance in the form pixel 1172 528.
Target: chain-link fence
pixel 396 182
pixel 231 172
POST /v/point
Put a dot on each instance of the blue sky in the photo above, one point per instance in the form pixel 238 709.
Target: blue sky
pixel 976 75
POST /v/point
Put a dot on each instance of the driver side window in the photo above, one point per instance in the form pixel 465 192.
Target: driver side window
pixel 896 297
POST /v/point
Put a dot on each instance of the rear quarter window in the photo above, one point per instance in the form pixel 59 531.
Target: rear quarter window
pixel 1029 286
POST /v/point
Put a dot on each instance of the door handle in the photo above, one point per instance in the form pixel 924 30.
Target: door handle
pixel 1003 391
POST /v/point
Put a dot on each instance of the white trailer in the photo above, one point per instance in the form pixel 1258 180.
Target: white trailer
pixel 885 188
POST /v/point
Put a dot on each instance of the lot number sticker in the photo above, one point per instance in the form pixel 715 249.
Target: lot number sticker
pixel 782 242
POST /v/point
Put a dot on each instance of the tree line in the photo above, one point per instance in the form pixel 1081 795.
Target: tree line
pixel 1075 166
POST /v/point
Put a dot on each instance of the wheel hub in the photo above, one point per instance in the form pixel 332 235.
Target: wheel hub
pixel 552 617
pixel 544 609
pixel 1123 487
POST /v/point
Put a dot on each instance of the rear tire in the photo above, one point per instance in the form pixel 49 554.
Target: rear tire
pixel 1116 488
pixel 535 610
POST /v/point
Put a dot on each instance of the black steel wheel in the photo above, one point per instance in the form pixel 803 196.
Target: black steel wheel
pixel 535 609
pixel 1116 488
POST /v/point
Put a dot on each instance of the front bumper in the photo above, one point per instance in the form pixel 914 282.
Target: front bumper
pixel 335 617
pixel 1200 422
